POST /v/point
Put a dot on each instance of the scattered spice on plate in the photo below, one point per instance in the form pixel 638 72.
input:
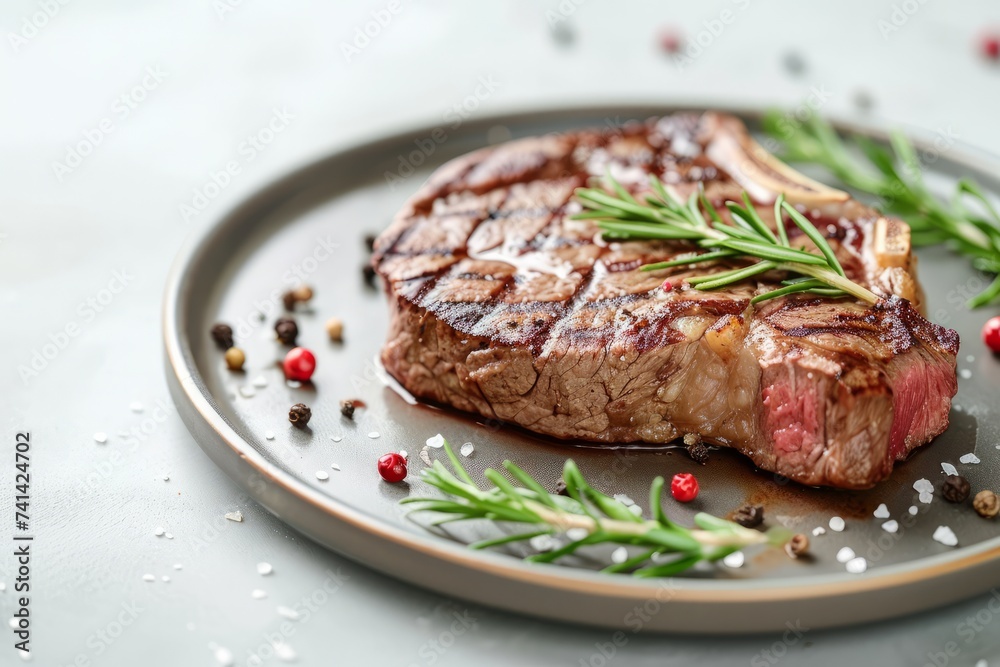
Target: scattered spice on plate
pixel 955 489
pixel 235 358
pixel 561 489
pixel 247 391
pixel 288 612
pixel 264 569
pixel 986 504
pixel 288 300
pixel 696 449
pixel 369 240
pixel 797 546
pixel 299 414
pixel 542 543
pixel 891 526
pixel 425 456
pixel 286 330
pixel 222 334
pixel 101 437
pixel 159 531
pixel 135 406
pixel 845 554
pixel 436 441
pixel 303 293
pixel 684 487
pixel 819 530
pixel 989 46
pixel 299 364
pixel 178 566
pixel 670 40
pixel 368 275
pixel 392 467
pixel 236 516
pixel 148 577
pixel 734 560
pixel 837 524
pixel 749 516
pixel 374 435
pixel 881 512
pixel 945 536
pixel 969 458
pixel 949 469
pixel 165 579
pixel 334 466
pixel 619 555
pixel 467 449
pixel 260 381
pixel 794 63
pixel 269 435
pixel 258 594
pixel 347 408
pixel 857 565
pixel 913 510
pixel 335 329
pixel 284 652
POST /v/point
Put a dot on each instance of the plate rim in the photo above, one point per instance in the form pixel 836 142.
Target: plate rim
pixel 191 388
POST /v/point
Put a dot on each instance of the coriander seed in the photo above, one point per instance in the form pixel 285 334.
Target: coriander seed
pixel 235 358
pixel 986 504
pixel 335 329
pixel 302 293
pixel 797 546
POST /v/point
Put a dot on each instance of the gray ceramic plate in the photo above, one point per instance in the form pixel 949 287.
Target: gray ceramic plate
pixel 310 226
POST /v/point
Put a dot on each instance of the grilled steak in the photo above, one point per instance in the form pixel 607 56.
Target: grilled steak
pixel 504 306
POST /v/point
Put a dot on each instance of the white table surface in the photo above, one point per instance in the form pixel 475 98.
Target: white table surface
pixel 220 75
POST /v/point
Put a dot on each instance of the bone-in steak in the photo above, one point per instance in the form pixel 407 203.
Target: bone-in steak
pixel 504 306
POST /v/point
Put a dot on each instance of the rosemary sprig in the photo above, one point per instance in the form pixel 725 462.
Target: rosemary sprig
pixel 589 515
pixel 663 216
pixel 894 176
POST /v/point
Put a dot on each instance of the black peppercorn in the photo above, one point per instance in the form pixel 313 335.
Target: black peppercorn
pixel 749 516
pixel 370 241
pixel 299 414
pixel 222 334
pixel 956 489
pixel 696 449
pixel 288 300
pixel 368 274
pixel 561 488
pixel 347 408
pixel 287 330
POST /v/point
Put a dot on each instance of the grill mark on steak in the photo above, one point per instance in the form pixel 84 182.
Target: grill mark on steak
pixel 505 306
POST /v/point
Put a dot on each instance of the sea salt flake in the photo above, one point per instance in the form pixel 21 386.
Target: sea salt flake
pixel 425 456
pixel 258 594
pixel 913 510
pixel 12 623
pixel 969 458
pixel 857 565
pixel 289 613
pixel 923 486
pixel 135 406
pixel 159 531
pixel 148 577
pixel 236 516
pixel 247 391
pixel 3 587
pixel 101 437
pixel 576 534
pixel 891 526
pixel 837 524
pixel 336 438
pixel 293 384
pixel 260 381
pixel 735 559
pixel 178 566
pixel 269 435
pixel 542 543
pixel 467 449
pixel 166 478
pixel 169 536
pixel 926 497
pixel 334 466
pixel 970 358
pixel 404 454
pixel 284 652
pixel 435 441
pixel 635 509
pixel 965 373
pixel 623 499
pixel 881 512
pixel 322 475
pixel 945 536
pixel 819 530
pixel 165 578
pixel 619 555
pixel 845 554
pixel 373 435
pixel 949 469
pixel 264 569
